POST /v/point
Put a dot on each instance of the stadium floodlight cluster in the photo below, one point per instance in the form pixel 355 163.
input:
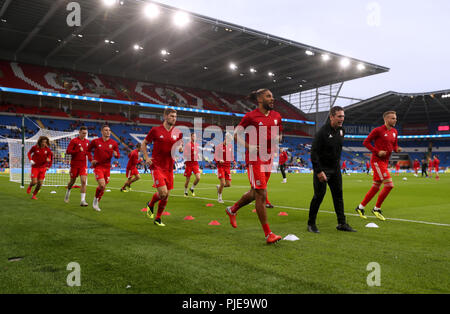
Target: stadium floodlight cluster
pixel 152 11
pixel 133 103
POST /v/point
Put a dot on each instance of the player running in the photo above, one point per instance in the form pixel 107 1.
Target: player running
pixel 41 157
pixel 416 167
pixel 386 141
pixel 263 120
pixel 78 149
pixel 397 168
pixel 164 138
pixel 104 149
pixel 224 156
pixel 191 164
pixel 431 167
pixel 132 172
pixel 436 163
pixel 282 162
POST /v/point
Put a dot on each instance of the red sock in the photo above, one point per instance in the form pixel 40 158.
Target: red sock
pixel 155 199
pixel 266 229
pixel 384 193
pixel 35 192
pixel 372 192
pixel 161 206
pixel 234 208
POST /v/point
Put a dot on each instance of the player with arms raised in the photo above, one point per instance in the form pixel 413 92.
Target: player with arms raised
pixel 385 140
pixel 265 121
pixel 104 149
pixel 165 140
pixel 41 157
pixel 78 149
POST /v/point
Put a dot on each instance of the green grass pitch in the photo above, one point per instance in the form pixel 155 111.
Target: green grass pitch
pixel 119 250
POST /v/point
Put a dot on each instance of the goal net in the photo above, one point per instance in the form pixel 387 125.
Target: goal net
pixel 58 174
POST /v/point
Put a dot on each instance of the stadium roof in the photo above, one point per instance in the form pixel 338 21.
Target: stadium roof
pixel 411 108
pixel 120 40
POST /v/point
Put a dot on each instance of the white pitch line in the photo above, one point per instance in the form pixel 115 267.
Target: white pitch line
pixel 297 208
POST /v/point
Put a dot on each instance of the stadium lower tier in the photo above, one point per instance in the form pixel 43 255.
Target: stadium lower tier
pixel 128 135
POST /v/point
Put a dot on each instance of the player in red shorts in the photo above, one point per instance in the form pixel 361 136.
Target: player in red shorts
pixel 282 162
pixel 165 138
pixel 191 164
pixel 416 167
pixel 263 126
pixel 431 167
pixel 78 149
pixel 224 156
pixel 436 163
pixel 386 141
pixel 132 172
pixel 397 168
pixel 104 149
pixel 41 157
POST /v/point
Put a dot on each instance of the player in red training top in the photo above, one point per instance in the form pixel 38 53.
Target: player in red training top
pixel 165 138
pixel 224 156
pixel 104 149
pixel 397 168
pixel 367 167
pixel 436 163
pixel 262 128
pixel 344 167
pixel 132 172
pixel 416 167
pixel 78 149
pixel 282 162
pixel 431 167
pixel 386 141
pixel 191 164
pixel 41 157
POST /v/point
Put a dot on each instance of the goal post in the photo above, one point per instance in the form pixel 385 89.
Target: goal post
pixel 20 166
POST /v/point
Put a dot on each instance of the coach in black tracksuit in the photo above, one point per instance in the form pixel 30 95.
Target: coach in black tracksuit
pixel 326 159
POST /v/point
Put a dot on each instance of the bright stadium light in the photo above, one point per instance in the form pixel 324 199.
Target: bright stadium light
pixel 136 47
pixel 361 67
pixel 253 70
pixel 151 11
pixel 109 3
pixel 233 66
pixel 326 57
pixel 309 53
pixel 345 63
pixel 181 19
pixel 164 52
pixel 271 74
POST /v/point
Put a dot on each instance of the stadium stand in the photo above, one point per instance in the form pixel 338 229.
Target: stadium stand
pixel 31 77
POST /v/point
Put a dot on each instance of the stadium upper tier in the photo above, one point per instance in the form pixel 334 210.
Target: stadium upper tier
pixel 45 79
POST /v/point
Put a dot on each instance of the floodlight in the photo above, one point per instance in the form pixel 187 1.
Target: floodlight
pixel 181 19
pixel 151 11
pixel 345 62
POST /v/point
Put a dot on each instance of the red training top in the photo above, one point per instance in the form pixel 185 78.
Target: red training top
pixel 103 151
pixel 190 154
pixel 79 150
pixel 163 141
pixel 133 159
pixel 225 153
pixel 40 155
pixel 384 139
pixel 263 124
